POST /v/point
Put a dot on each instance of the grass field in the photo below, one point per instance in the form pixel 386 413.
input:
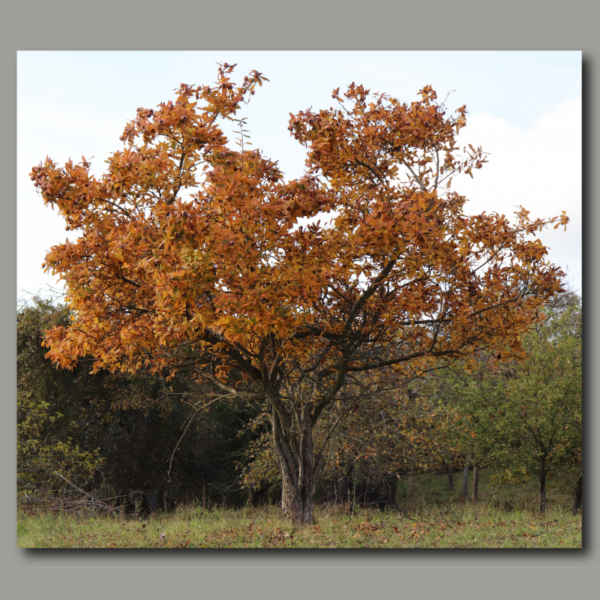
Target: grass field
pixel 433 518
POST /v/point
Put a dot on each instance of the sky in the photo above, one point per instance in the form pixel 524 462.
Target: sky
pixel 524 109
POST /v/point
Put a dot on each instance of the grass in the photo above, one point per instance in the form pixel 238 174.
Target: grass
pixel 462 527
pixel 440 523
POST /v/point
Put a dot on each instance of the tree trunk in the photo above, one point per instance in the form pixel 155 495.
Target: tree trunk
pixel 153 501
pixel 295 457
pixel 411 488
pixel 542 476
pixel 393 483
pixel 578 495
pixel 343 487
pixel 475 483
pixel 465 481
pixel 450 477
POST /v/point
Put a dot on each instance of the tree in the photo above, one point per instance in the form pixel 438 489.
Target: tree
pixel 526 417
pixel 195 256
pixel 51 418
pixel 544 397
pixel 408 433
pixel 114 434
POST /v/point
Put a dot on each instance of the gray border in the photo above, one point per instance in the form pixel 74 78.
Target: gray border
pixel 264 25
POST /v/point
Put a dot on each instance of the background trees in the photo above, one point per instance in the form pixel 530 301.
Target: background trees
pixel 50 418
pixel 526 417
pixel 372 444
pixel 194 257
pixel 116 434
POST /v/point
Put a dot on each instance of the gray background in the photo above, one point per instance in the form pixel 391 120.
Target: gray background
pixel 278 25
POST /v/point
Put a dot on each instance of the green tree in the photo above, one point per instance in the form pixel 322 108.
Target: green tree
pixel 526 417
pixel 117 434
pixel 50 422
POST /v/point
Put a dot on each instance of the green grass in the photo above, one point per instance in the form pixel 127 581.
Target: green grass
pixel 446 524
pixel 431 517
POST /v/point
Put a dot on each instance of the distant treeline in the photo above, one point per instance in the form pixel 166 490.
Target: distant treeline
pixel 142 443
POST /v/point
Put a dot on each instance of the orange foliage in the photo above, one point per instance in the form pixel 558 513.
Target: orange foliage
pixel 194 255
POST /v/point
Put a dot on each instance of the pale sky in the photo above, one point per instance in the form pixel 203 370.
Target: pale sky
pixel 524 109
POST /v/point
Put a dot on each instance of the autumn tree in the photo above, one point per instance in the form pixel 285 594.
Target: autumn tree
pixel 193 255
